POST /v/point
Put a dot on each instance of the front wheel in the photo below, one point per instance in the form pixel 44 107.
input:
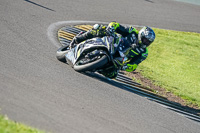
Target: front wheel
pixel 60 54
pixel 98 63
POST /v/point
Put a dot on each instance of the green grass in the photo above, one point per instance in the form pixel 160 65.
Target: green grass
pixel 174 63
pixel 8 126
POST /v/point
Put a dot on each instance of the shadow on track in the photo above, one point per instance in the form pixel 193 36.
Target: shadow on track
pixel 186 111
pixel 39 5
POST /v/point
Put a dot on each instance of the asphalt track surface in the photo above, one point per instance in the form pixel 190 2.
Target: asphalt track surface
pixel 38 90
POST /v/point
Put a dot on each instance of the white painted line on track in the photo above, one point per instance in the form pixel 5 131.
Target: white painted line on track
pixel 52 29
pixel 50 34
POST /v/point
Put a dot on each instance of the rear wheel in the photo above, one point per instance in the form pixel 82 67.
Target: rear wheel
pixel 60 54
pixel 90 66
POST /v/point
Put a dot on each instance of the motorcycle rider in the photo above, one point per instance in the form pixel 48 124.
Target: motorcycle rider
pixel 137 40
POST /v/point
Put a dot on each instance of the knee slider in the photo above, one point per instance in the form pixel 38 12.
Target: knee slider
pixel 96 26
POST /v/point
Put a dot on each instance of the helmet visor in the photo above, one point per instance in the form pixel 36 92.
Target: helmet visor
pixel 146 42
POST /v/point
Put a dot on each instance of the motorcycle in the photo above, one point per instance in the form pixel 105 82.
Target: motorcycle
pixel 96 54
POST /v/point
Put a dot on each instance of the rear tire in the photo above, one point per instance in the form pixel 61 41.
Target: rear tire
pixel 92 65
pixel 60 54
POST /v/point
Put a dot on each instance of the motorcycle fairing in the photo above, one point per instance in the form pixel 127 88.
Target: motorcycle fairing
pixel 85 47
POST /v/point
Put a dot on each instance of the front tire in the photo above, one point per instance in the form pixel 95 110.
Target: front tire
pixel 60 54
pixel 92 65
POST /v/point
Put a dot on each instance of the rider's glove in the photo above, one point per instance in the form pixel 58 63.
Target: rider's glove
pixel 110 30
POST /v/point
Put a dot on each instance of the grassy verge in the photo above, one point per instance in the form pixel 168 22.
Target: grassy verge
pixel 8 126
pixel 174 63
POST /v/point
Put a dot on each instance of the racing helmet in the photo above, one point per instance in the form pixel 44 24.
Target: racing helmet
pixel 146 36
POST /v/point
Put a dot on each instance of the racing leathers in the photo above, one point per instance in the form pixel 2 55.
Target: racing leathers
pixel 136 54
